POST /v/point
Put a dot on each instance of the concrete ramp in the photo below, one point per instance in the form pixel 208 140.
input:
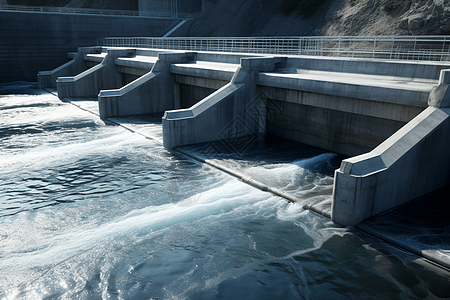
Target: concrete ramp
pixel 231 112
pixel 127 100
pixel 206 121
pixel 150 93
pixel 90 82
pixel 411 163
pixel 47 79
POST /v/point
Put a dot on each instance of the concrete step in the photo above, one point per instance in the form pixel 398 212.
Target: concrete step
pixel 213 70
pixel 95 57
pixel 138 61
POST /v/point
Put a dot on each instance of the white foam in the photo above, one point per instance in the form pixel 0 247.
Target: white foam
pixel 223 199
pixel 47 154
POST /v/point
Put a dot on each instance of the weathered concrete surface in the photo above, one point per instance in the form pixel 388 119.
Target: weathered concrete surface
pixel 400 90
pixel 153 92
pixel 334 130
pixel 197 80
pixel 204 121
pixel 47 79
pixel 344 105
pixel 231 112
pixel 90 82
pixel 411 163
pixel 415 70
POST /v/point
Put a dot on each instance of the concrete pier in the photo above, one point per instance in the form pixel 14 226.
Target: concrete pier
pixel 411 163
pixel 150 93
pixel 232 112
pixel 74 67
pixel 392 116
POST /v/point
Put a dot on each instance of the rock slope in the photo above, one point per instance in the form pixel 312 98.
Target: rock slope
pixel 334 18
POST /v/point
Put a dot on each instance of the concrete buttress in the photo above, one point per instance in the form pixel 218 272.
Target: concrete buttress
pixel 90 82
pixel 233 111
pixel 151 93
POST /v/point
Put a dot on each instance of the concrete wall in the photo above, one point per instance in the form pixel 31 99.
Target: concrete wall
pixel 191 95
pixel 333 130
pixel 184 6
pixel 33 42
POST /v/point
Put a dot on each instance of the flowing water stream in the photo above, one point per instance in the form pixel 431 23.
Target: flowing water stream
pixel 89 210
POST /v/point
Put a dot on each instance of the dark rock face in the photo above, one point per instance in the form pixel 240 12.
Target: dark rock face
pixel 434 20
pixel 334 18
pixel 389 17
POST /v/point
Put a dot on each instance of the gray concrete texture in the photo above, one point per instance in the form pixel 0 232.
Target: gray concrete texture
pixel 100 77
pixel 411 163
pixel 47 79
pixel 231 112
pixel 33 42
pixel 154 92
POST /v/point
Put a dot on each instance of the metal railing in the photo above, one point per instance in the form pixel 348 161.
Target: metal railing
pixel 380 47
pixel 92 11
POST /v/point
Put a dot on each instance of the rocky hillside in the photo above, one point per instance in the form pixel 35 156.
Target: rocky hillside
pixel 252 18
pixel 334 18
pixel 388 17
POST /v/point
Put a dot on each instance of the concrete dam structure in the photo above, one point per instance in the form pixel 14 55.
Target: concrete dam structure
pixel 390 116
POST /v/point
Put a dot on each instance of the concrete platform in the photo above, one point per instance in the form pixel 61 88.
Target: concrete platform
pixel 137 61
pixel 98 58
pixel 212 70
pixel 397 90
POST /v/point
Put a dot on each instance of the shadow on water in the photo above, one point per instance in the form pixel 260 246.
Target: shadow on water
pixel 421 226
pixel 268 149
pixel 20 88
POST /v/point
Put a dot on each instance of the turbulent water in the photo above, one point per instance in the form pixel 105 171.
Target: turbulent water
pixel 89 210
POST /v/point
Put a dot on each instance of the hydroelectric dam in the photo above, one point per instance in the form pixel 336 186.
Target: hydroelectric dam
pixel 389 116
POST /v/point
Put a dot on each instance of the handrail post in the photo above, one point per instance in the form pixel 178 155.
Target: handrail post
pixel 339 48
pixel 374 47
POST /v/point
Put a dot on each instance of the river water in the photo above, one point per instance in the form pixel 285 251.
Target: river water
pixel 89 210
